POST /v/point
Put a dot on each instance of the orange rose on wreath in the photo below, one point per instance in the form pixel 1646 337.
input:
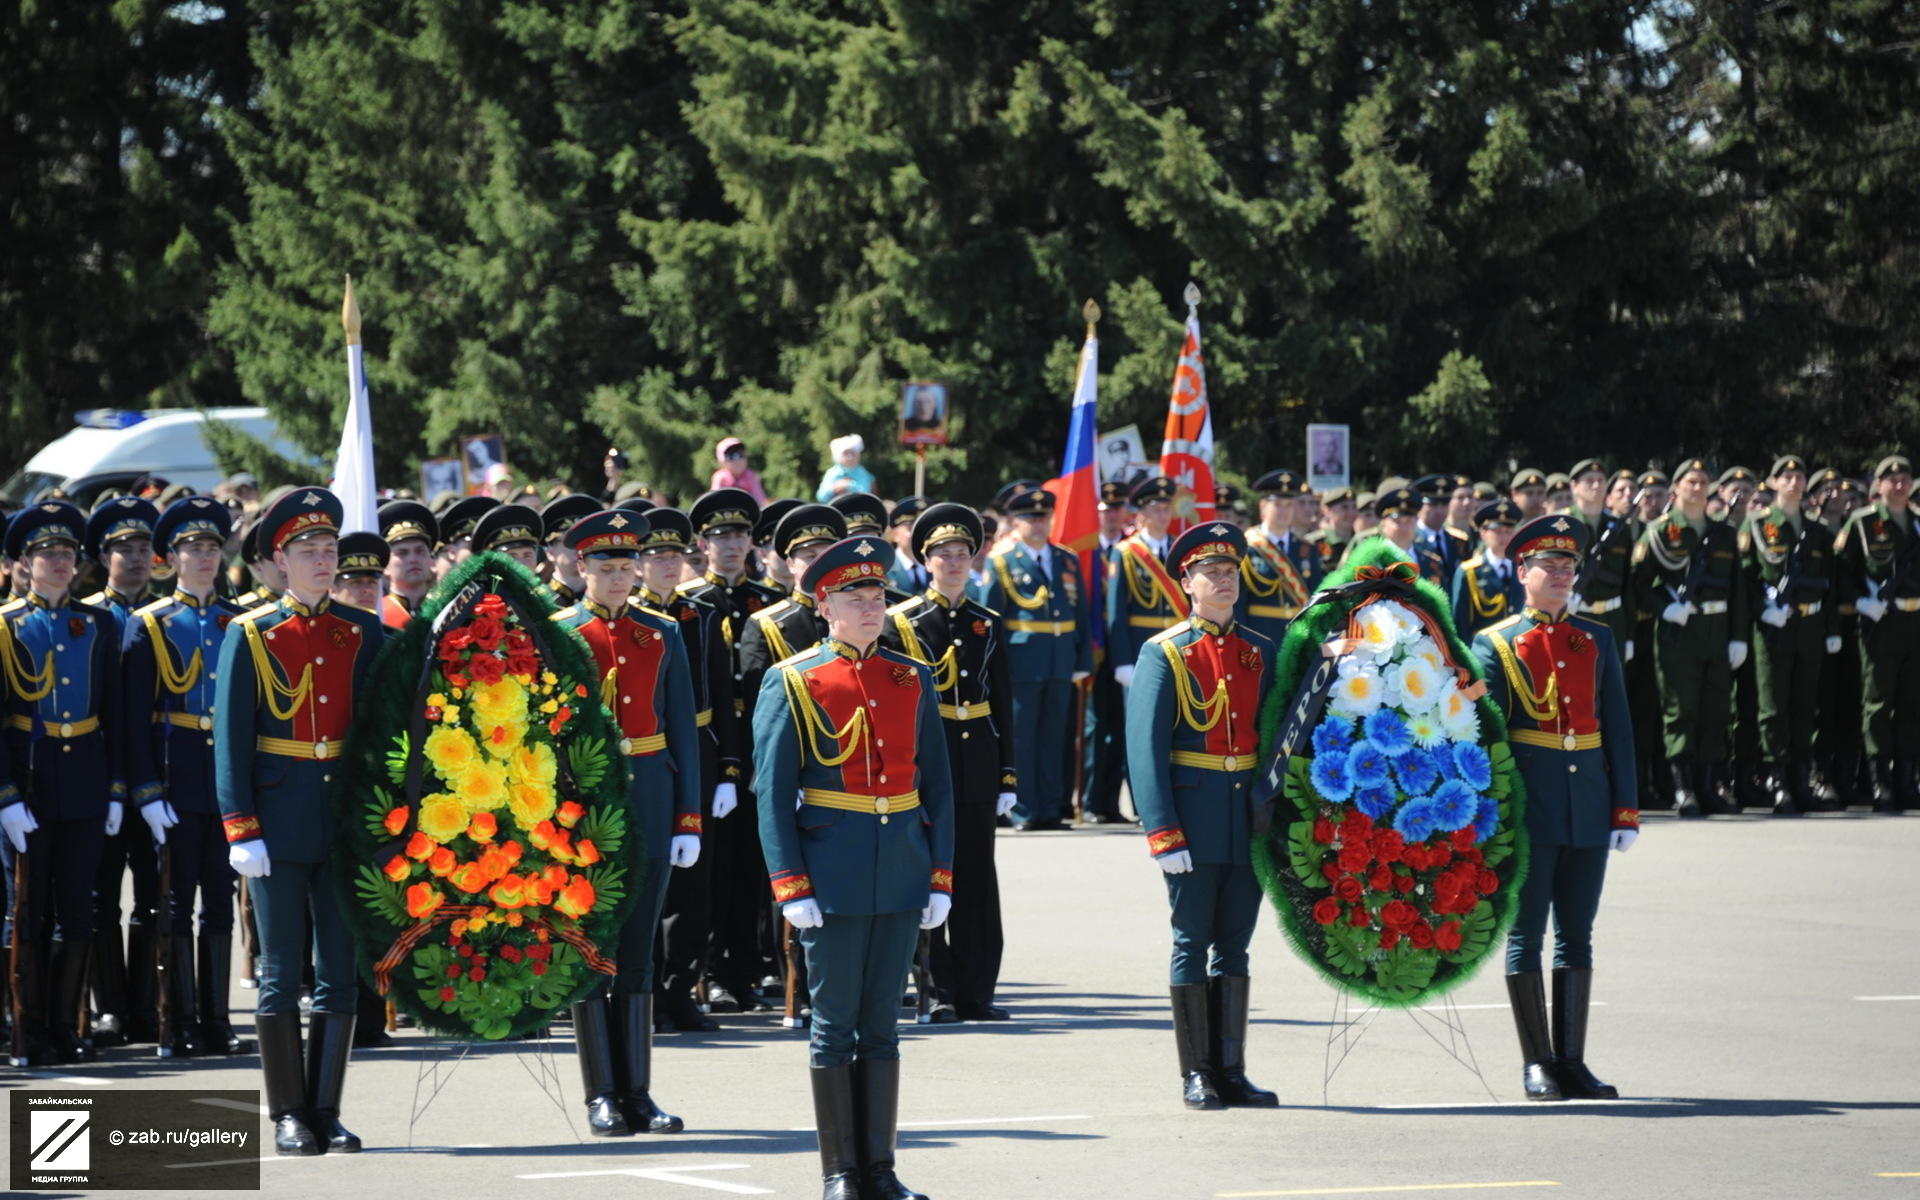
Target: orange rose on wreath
pixel 483 827
pixel 470 878
pixel 422 899
pixel 576 899
pixel 510 892
pixel 442 861
pixel 398 868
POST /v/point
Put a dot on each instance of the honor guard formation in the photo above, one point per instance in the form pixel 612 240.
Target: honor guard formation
pixel 829 706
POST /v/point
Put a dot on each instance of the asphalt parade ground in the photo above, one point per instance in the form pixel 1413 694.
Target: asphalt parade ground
pixel 1757 1002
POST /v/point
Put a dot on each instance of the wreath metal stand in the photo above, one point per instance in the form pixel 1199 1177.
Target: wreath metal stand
pixel 435 1073
pixel 1346 1028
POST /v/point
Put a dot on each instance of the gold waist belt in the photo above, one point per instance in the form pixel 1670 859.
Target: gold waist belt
pixel 1908 604
pixel 1600 608
pixel 653 743
pixel 703 718
pixel 1554 741
pixel 1286 612
pixel 1153 622
pixel 854 802
pixel 288 748
pixel 1711 608
pixel 185 720
pixel 1213 762
pixel 58 729
pixel 1053 627
pixel 967 712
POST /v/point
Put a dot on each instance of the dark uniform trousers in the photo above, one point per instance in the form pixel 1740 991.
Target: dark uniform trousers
pixel 1104 766
pixel 1215 909
pixel 865 951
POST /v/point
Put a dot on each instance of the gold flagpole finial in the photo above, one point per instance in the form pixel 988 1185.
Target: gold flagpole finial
pixel 1192 294
pixel 1091 311
pixel 350 315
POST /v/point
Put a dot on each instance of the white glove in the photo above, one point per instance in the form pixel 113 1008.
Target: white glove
pixel 1776 615
pixel 1123 675
pixel 1082 676
pixel 1629 655
pixel 934 915
pixel 1003 804
pixel 1871 609
pixel 803 914
pixel 160 817
pixel 17 822
pixel 726 798
pixel 1677 612
pixel 1736 654
pixel 1833 645
pixel 1623 839
pixel 115 811
pixel 1177 863
pixel 249 858
pixel 684 850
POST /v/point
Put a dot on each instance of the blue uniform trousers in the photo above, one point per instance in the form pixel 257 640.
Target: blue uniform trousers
pixel 856 974
pixel 1567 880
pixel 199 848
pixel 1215 910
pixel 62 859
pixel 1042 724
pixel 283 899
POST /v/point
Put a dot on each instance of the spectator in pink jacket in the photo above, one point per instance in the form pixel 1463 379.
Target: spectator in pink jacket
pixel 734 471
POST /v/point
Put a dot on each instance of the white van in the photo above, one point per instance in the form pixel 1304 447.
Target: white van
pixel 110 448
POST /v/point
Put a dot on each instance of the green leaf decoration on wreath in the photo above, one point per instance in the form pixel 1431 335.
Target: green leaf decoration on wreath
pixel 1389 879
pixel 487 873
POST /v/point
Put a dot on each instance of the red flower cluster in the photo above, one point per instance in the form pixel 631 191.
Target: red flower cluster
pixel 487 648
pixel 1419 883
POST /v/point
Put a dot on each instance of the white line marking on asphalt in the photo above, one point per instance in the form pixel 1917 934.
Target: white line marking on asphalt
pixel 269 1158
pixel 235 1105
pixel 966 1121
pixel 1527 1104
pixel 69 1080
pixel 674 1174
pixel 1406 1187
pixel 1887 997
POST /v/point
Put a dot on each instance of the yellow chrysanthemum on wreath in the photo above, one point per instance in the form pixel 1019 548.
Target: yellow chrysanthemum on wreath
pixel 442 817
pixel 534 764
pixel 452 752
pixel 500 714
pixel 483 786
pixel 530 803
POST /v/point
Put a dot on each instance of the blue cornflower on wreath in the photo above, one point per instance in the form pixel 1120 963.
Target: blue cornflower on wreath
pixel 1475 768
pixel 1331 776
pixel 1375 800
pixel 1387 732
pixel 1454 805
pixel 1367 765
pixel 1334 735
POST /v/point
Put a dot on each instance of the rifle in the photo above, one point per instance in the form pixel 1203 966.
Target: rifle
pixel 922 981
pixel 790 946
pixel 19 960
pixel 163 919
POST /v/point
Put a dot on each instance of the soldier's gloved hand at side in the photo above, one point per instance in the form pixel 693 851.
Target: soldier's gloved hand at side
pixel 1177 863
pixel 1080 677
pixel 115 811
pixel 18 822
pixel 1776 615
pixel 1736 654
pixel 1871 609
pixel 1123 674
pixel 1003 804
pixel 249 859
pixel 159 816
pixel 1677 612
pixel 684 849
pixel 1629 654
pixel 1623 839
pixel 726 798
pixel 1833 644
pixel 803 914
pixel 934 915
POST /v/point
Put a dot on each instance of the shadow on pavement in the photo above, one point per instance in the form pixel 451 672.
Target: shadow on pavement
pixel 1635 1107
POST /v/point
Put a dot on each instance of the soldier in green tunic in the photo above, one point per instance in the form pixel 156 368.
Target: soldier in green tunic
pixel 1879 575
pixel 1601 589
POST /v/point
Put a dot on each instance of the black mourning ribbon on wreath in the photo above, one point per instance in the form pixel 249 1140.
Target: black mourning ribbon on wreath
pixel 1394 581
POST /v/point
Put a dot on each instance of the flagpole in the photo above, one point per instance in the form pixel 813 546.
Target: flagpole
pixel 353 465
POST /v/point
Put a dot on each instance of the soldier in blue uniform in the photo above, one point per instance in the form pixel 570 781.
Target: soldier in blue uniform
pixel 120 538
pixel 853 730
pixel 907 575
pixel 1451 546
pixel 169 657
pixel 1104 764
pixel 1486 587
pixel 62 787
pixel 647 686
pixel 1398 509
pixel 1142 599
pixel 1559 681
pixel 1193 743
pixel 962 643
pixel 1280 567
pixel 290 674
pixel 1035 586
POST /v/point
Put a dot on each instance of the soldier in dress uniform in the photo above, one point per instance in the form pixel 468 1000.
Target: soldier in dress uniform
pixel 648 688
pixel 906 576
pixel 1647 503
pixel 1687 570
pixel 1461 506
pixel 1740 778
pixel 268 583
pixel 1787 556
pixel 1142 598
pixel 1399 512
pixel 864 859
pixel 1036 588
pixel 1193 744
pixel 1559 496
pixel 1280 568
pixel 1339 509
pixel 686 923
pixel 770 570
pixel 1528 489
pixel 363 564
pixel 1606 574
pixel 865 513
pixel 1486 587
pixel 120 538
pixel 1451 546
pixel 1230 505
pixel 62 785
pixel 1840 770
pixel 169 656
pixel 962 643
pixel 411 531
pixel 289 677
pixel 1104 761
pixel 456 530
pixel 510 529
pixel 1879 575
pixel 562 564
pixel 1557 679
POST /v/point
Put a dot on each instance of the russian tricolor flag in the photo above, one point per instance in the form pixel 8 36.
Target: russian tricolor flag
pixel 1076 493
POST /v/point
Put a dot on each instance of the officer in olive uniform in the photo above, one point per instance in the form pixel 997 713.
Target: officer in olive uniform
pixel 1193 744
pixel 120 537
pixel 1036 588
pixel 1787 555
pixel 1528 489
pixel 169 655
pixel 1339 507
pixel 555 519
pixel 1879 573
pixel 1280 569
pixel 411 531
pixel 1643 684
pixel 62 786
pixel 964 646
pixel 639 654
pixel 1687 570
pixel 1486 586
pixel 289 677
pixel 1557 679
pixel 853 729
pixel 1606 574
pixel 1142 598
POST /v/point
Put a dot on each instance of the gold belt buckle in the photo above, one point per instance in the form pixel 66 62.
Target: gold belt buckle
pixel 1569 741
pixel 206 722
pixel 882 805
pixel 66 730
pixel 626 746
pixel 963 716
pixel 320 750
pixel 1231 763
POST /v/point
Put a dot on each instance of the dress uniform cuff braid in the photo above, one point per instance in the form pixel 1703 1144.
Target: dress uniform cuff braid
pixel 117 790
pixel 687 823
pixel 147 793
pixel 729 770
pixel 1009 780
pixel 790 886
pixel 9 794
pixel 1166 840
pixel 241 829
pixel 1626 818
pixel 943 880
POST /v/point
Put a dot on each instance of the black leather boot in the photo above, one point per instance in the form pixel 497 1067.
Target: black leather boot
pixel 1785 802
pixel 1906 779
pixel 1572 990
pixel 286 1083
pixel 1228 995
pixel 215 965
pixel 633 1066
pixel 182 1039
pixel 876 1106
pixel 675 1012
pixel 329 1046
pixel 29 983
pixel 1804 793
pixel 1685 802
pixel 1880 771
pixel 1704 776
pixel 63 1001
pixel 592 1040
pixel 1193 1043
pixel 141 1019
pixel 833 1119
pixel 1527 994
pixel 109 983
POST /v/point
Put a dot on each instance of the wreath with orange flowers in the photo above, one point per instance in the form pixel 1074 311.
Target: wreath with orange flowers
pixel 487 855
